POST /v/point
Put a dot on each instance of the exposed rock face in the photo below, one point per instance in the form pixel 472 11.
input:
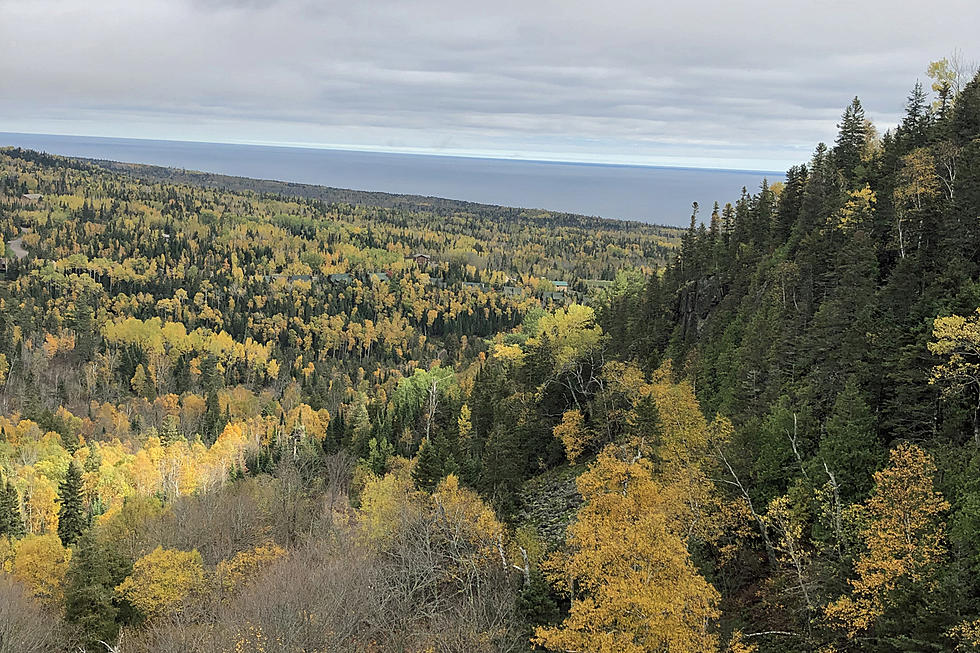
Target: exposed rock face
pixel 549 503
pixel 695 301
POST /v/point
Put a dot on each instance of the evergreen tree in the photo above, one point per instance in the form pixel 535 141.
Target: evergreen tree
pixel 11 524
pixel 90 601
pixel 914 127
pixel 378 455
pixel 849 449
pixel 965 123
pixel 852 138
pixel 169 431
pixel 71 514
pixel 428 469
pixel 788 208
pixel 83 324
pixel 211 424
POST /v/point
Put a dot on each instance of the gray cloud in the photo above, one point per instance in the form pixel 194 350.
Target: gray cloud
pixel 748 84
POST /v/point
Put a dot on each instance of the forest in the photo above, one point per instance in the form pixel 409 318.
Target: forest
pixel 247 416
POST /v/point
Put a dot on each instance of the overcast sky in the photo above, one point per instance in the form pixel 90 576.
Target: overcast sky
pixel 750 85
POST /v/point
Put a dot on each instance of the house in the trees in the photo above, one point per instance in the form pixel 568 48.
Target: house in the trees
pixel 561 286
pixel 32 197
pixel 420 259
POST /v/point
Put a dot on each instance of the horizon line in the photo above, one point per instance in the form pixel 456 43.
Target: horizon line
pixel 411 152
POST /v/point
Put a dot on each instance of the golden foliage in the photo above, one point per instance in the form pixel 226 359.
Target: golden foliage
pixel 967 635
pixel 162 580
pixel 904 537
pixel 957 340
pixel 40 562
pixel 237 572
pixel 858 209
pixel 571 432
pixel 634 588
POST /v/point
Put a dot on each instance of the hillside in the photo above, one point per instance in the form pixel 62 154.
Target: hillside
pixel 248 415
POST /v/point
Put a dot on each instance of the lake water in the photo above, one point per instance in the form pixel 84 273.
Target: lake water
pixel 651 194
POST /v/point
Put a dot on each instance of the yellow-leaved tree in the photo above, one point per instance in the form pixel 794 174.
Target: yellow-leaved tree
pixel 903 535
pixel 40 562
pixel 633 586
pixel 162 580
pixel 573 435
pixel 244 567
pixel 957 340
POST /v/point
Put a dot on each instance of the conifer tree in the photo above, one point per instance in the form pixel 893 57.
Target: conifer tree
pixel 71 515
pixel 848 448
pixel 211 425
pixel 851 140
pixel 378 454
pixel 90 600
pixel 11 524
pixel 428 469
pixel 916 122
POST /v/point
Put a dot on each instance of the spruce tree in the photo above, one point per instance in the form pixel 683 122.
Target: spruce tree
pixel 849 448
pixel 211 425
pixel 378 454
pixel 916 122
pixel 71 515
pixel 91 605
pixel 851 140
pixel 11 524
pixel 428 468
pixel 169 432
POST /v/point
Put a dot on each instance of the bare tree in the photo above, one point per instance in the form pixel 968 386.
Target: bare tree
pixel 24 626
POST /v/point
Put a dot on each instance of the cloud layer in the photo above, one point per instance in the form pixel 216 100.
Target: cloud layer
pixel 751 84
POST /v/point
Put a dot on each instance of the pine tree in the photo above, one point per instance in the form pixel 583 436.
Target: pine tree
pixel 71 515
pixel 849 448
pixel 851 140
pixel 11 524
pixel 90 602
pixel 211 425
pixel 914 128
pixel 428 469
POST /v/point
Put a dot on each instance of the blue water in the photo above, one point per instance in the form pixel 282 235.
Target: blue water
pixel 651 194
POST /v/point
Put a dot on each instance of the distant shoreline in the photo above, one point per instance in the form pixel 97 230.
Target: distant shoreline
pixel 647 194
pixel 454 155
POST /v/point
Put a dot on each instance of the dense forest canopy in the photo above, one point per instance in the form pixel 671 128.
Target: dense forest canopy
pixel 243 416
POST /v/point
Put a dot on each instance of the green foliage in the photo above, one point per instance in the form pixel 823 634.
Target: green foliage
pixel 217 338
pixel 849 449
pixel 90 602
pixel 430 468
pixel 11 522
pixel 71 513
